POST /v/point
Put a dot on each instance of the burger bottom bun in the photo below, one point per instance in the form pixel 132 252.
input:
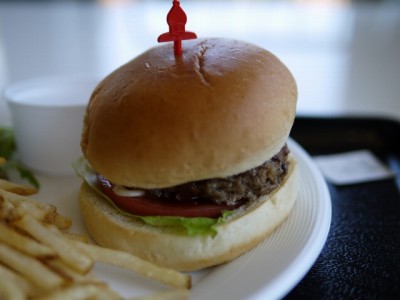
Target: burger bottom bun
pixel 110 228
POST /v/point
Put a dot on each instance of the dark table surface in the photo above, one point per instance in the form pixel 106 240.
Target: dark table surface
pixel 361 257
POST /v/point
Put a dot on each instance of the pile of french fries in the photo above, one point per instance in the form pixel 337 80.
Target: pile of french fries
pixel 41 259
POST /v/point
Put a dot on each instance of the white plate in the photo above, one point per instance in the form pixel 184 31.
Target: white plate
pixel 269 271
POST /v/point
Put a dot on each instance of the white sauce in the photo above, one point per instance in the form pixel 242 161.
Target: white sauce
pixel 125 192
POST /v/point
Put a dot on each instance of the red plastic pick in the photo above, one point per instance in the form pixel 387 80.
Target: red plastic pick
pixel 176 19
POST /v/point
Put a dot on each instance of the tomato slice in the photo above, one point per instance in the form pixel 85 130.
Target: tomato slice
pixel 148 206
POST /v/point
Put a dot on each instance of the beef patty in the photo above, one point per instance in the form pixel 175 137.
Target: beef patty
pixel 237 189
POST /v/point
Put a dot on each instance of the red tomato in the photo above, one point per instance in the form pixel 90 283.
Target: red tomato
pixel 147 206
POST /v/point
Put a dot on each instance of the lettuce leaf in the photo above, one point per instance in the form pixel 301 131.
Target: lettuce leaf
pixel 192 226
pixel 7 142
pixel 7 149
pixel 184 225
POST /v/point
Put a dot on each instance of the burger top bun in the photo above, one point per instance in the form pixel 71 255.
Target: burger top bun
pixel 221 108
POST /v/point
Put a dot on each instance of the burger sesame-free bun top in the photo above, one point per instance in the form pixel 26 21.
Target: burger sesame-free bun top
pixel 221 108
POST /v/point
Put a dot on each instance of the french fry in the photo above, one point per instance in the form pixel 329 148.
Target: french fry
pixel 62 222
pixel 30 268
pixel 24 205
pixel 16 188
pixel 71 255
pixel 39 210
pixel 76 237
pixel 17 199
pixel 36 212
pixel 10 287
pixel 23 243
pixel 136 264
pixel 8 212
pixel 24 286
pixel 83 292
pixel 39 261
pixel 58 266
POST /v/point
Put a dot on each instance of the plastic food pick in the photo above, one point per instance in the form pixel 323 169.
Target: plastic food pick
pixel 176 19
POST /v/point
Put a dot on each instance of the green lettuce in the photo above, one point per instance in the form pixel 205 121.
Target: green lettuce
pixel 192 226
pixel 7 149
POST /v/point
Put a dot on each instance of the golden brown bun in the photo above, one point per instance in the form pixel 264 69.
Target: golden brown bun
pixel 110 228
pixel 160 120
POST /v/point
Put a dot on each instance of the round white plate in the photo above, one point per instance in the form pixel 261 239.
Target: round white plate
pixel 269 271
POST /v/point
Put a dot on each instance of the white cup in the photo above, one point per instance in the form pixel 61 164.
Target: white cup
pixel 47 116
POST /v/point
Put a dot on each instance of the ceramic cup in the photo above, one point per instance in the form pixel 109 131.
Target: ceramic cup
pixel 47 115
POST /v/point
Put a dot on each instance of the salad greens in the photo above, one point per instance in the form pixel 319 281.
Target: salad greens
pixel 7 161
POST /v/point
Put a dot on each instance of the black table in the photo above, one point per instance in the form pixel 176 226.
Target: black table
pixel 361 257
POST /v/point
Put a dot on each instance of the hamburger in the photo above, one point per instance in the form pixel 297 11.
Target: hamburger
pixel 185 158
